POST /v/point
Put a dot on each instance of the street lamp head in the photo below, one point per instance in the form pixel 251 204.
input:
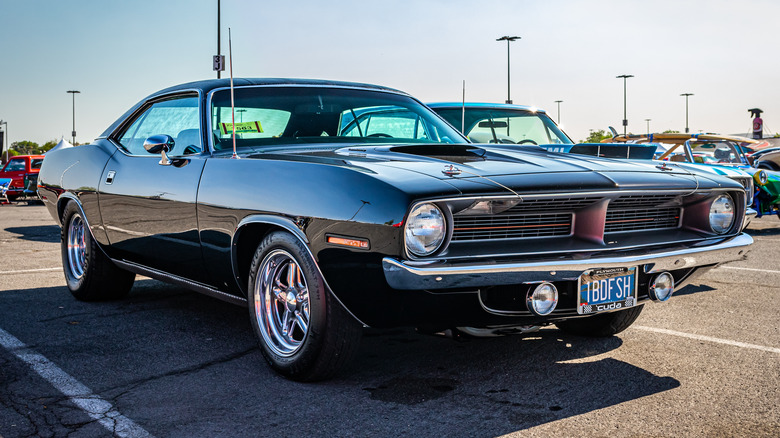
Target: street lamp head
pixel 508 38
pixel 74 91
pixel 625 76
pixel 687 94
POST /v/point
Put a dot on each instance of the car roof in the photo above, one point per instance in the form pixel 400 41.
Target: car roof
pixel 211 84
pixel 484 105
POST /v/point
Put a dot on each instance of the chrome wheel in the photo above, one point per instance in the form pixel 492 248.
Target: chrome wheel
pixel 77 247
pixel 281 299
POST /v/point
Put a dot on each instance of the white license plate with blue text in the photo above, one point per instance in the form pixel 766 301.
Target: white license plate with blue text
pixel 606 289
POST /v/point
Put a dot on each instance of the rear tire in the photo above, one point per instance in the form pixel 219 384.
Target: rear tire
pixel 303 331
pixel 604 325
pixel 89 273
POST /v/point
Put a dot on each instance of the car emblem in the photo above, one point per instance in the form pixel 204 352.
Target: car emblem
pixel 451 170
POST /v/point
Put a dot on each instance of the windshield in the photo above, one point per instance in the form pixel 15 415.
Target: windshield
pixel 505 125
pixel 271 116
pixel 717 152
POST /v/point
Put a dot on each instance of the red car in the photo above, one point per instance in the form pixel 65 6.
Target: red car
pixel 20 168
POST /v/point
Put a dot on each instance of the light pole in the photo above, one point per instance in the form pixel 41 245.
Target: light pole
pixel 5 139
pixel 625 118
pixel 508 39
pixel 686 109
pixel 648 126
pixel 559 110
pixel 74 92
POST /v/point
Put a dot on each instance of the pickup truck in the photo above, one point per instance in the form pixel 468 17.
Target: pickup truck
pixel 20 169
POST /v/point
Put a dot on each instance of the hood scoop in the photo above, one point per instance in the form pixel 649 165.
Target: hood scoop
pixel 458 153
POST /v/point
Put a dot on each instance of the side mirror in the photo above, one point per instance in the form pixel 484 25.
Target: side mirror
pixel 160 144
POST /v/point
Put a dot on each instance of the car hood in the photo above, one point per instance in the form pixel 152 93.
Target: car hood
pixel 474 168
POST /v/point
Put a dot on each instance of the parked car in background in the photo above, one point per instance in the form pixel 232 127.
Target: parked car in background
pixel 721 151
pixel 333 206
pixel 21 169
pixel 519 124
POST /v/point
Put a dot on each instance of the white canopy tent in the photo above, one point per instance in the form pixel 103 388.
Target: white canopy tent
pixel 61 145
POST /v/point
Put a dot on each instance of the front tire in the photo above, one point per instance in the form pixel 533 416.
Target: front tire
pixel 89 273
pixel 604 325
pixel 303 332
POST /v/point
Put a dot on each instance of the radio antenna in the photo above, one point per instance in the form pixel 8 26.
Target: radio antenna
pixel 232 100
pixel 463 111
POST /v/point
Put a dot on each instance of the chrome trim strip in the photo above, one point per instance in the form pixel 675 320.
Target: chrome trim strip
pixel 404 276
pixel 617 192
pixel 189 284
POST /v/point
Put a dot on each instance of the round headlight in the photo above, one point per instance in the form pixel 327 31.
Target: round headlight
pixel 761 177
pixel 543 299
pixel 722 214
pixel 425 229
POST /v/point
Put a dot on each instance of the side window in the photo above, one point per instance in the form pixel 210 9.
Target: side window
pixel 36 163
pixel 15 165
pixel 175 117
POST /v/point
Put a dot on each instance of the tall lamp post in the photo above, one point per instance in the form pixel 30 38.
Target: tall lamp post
pixel 508 39
pixel 648 126
pixel 686 110
pixel 74 92
pixel 559 111
pixel 5 139
pixel 625 118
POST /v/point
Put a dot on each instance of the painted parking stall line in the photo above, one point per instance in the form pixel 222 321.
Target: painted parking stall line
pixel 28 271
pixel 769 271
pixel 77 393
pixel 708 339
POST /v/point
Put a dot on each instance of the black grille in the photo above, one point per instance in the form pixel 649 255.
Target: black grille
pixel 554 204
pixel 641 219
pixel 642 201
pixel 510 225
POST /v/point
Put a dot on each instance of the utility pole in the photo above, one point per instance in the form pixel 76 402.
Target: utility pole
pixel 625 118
pixel 648 126
pixel 508 39
pixel 686 110
pixel 73 133
pixel 559 111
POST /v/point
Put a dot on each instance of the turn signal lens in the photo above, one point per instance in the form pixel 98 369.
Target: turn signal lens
pixel 543 299
pixel 662 287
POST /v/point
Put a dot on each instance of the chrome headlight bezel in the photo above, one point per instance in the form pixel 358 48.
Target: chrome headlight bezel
pixel 432 221
pixel 761 177
pixel 722 214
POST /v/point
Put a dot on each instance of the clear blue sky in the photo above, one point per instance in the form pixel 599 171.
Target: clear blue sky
pixel 117 52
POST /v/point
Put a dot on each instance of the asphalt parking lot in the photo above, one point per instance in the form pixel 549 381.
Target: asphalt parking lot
pixel 170 363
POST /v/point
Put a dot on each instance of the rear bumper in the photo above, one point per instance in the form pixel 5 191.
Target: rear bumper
pixel 406 275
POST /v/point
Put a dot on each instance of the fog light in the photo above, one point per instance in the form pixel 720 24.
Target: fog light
pixel 543 299
pixel 662 287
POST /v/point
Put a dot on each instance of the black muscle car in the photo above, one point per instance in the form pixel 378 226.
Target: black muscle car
pixel 325 206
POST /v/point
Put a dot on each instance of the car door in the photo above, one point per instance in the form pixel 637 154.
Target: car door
pixel 15 169
pixel 148 208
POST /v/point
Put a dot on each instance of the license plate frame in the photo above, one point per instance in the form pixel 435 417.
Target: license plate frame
pixel 615 288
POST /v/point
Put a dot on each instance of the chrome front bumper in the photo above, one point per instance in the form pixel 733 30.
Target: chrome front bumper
pixel 406 275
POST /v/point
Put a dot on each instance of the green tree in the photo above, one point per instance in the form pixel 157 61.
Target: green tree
pixel 25 147
pixel 47 146
pixel 670 131
pixel 596 136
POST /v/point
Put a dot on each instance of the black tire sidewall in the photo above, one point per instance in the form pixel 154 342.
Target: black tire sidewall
pixel 303 359
pixel 74 284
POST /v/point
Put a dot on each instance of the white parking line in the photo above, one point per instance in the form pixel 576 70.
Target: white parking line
pixel 750 269
pixel 77 393
pixel 708 339
pixel 27 271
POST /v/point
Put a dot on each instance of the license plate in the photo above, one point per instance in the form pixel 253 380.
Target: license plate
pixel 606 289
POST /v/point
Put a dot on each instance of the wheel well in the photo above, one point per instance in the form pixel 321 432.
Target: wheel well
pixel 249 237
pixel 767 165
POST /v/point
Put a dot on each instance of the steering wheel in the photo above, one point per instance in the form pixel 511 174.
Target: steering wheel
pixel 527 140
pixel 380 134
